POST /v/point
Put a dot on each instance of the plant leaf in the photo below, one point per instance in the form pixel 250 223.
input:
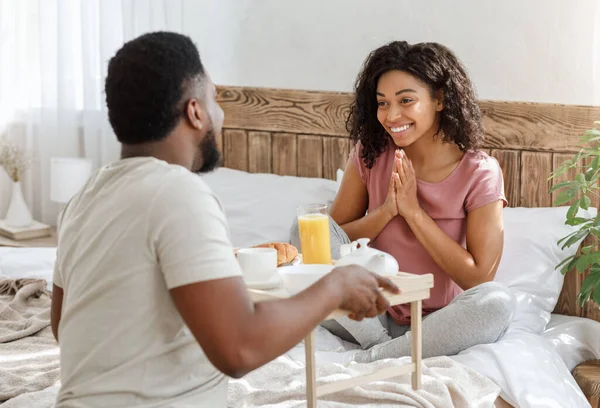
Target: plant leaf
pixel 596 296
pixel 585 202
pixel 578 221
pixel 564 261
pixel 585 260
pixel 583 297
pixel 567 267
pixel 590 135
pixel 563 197
pixel 582 263
pixel 572 212
pixel 563 239
pixel 559 172
pixel 589 173
pixel 582 233
pixel 587 249
pixel 595 163
pixel 561 185
pixel 594 261
pixel 595 232
pixel 590 282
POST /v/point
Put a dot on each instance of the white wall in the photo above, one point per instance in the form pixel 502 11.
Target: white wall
pixel 534 50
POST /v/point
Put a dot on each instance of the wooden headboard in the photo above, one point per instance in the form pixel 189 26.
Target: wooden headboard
pixel 303 133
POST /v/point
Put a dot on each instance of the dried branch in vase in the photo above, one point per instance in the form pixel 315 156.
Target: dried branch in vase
pixel 14 159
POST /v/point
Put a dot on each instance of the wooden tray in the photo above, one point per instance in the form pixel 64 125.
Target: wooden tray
pixel 413 289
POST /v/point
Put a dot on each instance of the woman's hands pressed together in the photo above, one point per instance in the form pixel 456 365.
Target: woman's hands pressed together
pixel 405 186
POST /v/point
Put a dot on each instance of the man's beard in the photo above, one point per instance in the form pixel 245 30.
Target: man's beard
pixel 209 152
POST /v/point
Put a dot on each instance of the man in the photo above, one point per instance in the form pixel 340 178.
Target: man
pixel 144 256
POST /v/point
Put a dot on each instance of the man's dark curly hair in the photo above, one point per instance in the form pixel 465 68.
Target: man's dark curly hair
pixel 439 69
pixel 146 81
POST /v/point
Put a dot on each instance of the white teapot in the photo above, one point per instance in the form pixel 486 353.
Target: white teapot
pixel 372 259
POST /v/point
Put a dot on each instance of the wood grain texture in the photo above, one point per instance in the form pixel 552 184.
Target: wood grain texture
pixel 285 154
pixel 219 138
pixel 535 169
pixel 557 160
pixel 536 126
pixel 335 155
pixel 235 149
pixel 567 302
pixel 259 152
pixel 587 376
pixel 510 162
pixel 590 309
pixel 280 110
pixel 310 156
pixel 416 329
pixel 595 199
pixel 508 125
pixel 311 371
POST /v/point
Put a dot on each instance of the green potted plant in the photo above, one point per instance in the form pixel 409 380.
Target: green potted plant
pixel 579 192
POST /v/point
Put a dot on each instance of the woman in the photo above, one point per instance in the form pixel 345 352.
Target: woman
pixel 431 199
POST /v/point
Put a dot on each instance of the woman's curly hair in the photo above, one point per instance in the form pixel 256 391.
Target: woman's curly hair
pixel 438 68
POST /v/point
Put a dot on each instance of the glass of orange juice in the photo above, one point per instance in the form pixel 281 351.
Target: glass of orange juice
pixel 315 242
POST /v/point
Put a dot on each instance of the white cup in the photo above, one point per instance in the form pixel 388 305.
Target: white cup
pixel 258 264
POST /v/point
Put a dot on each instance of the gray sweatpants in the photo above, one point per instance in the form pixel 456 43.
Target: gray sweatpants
pixel 479 315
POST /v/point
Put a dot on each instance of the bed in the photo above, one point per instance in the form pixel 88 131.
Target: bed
pixel 286 147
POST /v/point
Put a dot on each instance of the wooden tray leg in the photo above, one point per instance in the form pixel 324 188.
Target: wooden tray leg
pixel 311 377
pixel 415 329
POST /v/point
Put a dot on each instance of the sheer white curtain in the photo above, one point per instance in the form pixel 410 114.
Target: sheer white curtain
pixel 53 61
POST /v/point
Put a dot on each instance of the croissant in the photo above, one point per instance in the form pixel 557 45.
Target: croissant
pixel 285 252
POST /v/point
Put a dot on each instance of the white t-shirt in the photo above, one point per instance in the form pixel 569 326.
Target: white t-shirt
pixel 137 229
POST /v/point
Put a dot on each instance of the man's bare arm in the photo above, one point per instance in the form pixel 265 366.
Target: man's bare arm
pixel 239 336
pixel 56 309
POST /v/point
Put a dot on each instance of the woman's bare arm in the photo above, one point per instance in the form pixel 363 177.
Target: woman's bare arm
pixel 485 238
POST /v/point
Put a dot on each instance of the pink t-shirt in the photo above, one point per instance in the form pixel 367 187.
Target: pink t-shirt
pixel 476 181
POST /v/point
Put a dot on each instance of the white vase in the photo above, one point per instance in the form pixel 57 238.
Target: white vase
pixel 18 215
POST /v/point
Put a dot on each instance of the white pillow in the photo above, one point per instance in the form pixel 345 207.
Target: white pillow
pixel 262 207
pixel 339 175
pixel 529 259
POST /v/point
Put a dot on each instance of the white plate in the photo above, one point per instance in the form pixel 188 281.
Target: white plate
pixel 273 283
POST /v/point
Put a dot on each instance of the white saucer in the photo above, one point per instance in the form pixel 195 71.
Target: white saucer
pixel 273 283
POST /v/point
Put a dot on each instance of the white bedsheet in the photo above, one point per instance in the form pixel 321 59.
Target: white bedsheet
pixel 531 370
pixel 28 262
